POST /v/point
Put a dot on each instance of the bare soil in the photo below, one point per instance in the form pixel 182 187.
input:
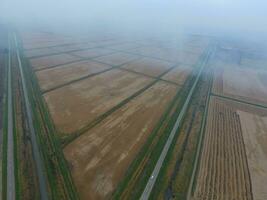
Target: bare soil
pixel 254 128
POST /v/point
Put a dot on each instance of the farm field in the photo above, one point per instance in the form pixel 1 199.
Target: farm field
pixel 231 142
pixel 101 92
pixel 237 78
pixel 179 74
pixel 55 77
pixel 51 61
pixel 97 174
pixel 73 106
pixel 148 66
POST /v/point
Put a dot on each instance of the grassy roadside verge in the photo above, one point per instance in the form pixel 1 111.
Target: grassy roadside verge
pixel 140 170
pixel 4 124
pixel 174 177
pixel 58 176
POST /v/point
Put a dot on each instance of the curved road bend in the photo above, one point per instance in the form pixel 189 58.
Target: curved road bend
pixel 36 151
pixel 151 182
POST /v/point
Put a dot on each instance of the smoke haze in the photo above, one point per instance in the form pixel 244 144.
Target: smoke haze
pixel 239 18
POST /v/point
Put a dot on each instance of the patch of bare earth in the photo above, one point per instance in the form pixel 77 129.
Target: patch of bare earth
pixel 254 128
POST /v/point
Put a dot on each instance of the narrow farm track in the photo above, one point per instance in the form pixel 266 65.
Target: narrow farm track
pixel 150 184
pixel 36 152
pixel 223 170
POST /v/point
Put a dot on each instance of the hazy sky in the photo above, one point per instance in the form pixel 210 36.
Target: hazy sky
pixel 246 17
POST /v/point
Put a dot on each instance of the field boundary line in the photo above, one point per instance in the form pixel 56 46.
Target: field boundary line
pixel 111 67
pixel 100 118
pixel 239 100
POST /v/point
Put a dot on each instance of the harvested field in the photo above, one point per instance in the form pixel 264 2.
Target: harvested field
pixel 99 158
pixel 50 61
pixel 148 66
pixel 254 128
pixel 241 83
pixel 257 63
pixel 223 170
pixel 75 105
pixel 90 53
pixel 178 74
pixel 39 52
pixel 54 77
pixel 117 58
pixel 73 47
pixel 124 46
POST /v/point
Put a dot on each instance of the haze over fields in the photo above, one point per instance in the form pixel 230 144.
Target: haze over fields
pixel 238 18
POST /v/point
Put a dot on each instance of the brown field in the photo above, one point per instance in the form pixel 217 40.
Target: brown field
pixel 39 52
pixel 241 83
pixel 54 77
pixel 117 58
pixel 90 53
pixel 148 66
pixel 99 158
pixel 73 47
pixel 254 128
pixel 178 74
pixel 73 106
pixel 254 63
pixel 124 46
pixel 223 170
pixel 50 61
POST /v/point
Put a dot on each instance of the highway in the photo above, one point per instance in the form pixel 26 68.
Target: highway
pixel 153 177
pixel 35 149
pixel 11 190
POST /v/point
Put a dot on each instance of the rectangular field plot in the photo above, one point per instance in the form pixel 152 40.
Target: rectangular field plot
pixel 223 171
pixel 124 46
pixel 90 53
pixel 50 61
pixel 148 66
pixel 117 58
pixel 74 106
pixel 178 74
pixel 100 157
pixel 233 164
pixel 39 52
pixel 241 83
pixel 254 129
pixel 51 78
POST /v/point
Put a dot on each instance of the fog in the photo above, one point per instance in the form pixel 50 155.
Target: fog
pixel 235 18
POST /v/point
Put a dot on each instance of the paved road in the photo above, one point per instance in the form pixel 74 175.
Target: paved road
pixel 36 152
pixel 11 191
pixel 151 182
